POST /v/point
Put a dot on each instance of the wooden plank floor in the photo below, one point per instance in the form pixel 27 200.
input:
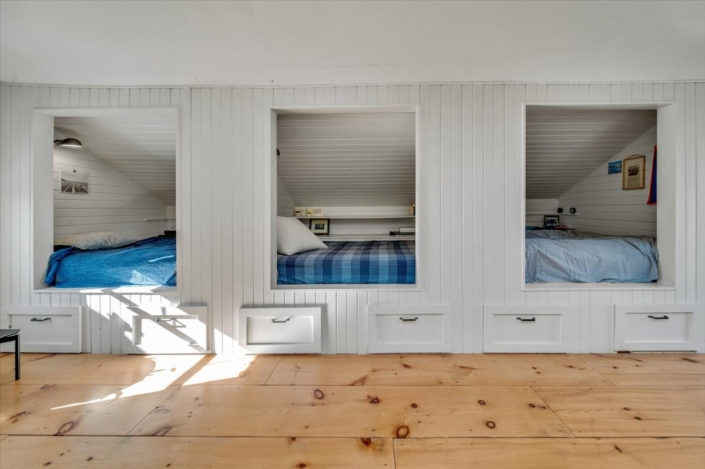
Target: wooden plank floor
pixel 412 411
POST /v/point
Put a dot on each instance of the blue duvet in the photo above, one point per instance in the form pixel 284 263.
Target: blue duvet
pixel 581 258
pixel 150 262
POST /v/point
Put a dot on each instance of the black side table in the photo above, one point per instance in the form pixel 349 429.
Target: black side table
pixel 12 335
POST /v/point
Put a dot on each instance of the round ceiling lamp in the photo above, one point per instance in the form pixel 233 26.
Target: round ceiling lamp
pixel 68 143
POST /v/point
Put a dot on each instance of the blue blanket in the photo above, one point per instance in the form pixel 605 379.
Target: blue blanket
pixel 585 258
pixel 150 262
pixel 366 262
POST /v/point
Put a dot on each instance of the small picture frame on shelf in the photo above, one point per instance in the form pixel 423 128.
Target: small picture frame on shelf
pixel 551 221
pixel 320 226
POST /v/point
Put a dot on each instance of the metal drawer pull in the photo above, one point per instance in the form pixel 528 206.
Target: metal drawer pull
pixel 172 322
pixel 527 320
pixel 40 320
pixel 282 320
pixel 659 317
pixel 409 319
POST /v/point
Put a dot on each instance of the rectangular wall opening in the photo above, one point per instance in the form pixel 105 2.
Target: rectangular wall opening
pixel 104 199
pixel 344 186
pixel 599 196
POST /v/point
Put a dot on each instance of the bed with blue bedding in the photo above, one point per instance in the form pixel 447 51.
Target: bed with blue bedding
pixel 352 263
pixel 150 262
pixel 569 256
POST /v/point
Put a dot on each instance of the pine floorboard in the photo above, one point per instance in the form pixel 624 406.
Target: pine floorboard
pixel 430 370
pixel 403 411
pixel 530 453
pixel 650 370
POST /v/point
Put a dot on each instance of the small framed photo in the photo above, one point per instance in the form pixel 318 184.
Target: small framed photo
pixel 320 226
pixel 614 167
pixel 73 182
pixel 633 172
pixel 551 221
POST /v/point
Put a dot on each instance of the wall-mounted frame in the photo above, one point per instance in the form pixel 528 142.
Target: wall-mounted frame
pixel 634 172
pixel 270 202
pixel 74 182
pixel 670 228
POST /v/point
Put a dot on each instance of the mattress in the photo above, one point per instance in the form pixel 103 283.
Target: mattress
pixel 575 257
pixel 352 263
pixel 150 262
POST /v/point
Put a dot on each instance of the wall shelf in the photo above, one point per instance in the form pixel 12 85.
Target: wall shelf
pixel 381 237
pixel 360 217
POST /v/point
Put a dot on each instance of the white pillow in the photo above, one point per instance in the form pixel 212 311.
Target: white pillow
pixel 293 237
pixel 96 240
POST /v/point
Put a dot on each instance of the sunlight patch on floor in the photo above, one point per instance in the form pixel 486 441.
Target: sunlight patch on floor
pixel 218 368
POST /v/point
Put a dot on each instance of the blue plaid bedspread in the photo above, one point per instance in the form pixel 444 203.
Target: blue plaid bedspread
pixel 347 262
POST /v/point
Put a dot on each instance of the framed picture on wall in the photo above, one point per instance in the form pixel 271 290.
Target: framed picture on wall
pixel 320 226
pixel 73 182
pixel 633 172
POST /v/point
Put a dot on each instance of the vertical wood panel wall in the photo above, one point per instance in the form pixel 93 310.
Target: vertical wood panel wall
pixel 602 205
pixel 115 203
pixel 472 138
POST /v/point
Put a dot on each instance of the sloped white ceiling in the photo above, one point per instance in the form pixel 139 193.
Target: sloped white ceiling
pixel 347 159
pixel 201 43
pixel 565 145
pixel 142 147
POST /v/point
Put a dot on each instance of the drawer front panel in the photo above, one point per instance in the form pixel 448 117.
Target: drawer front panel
pixel 173 329
pixel 529 329
pixel 280 330
pixel 43 329
pixel 47 329
pixel 670 327
pixel 526 329
pixel 658 328
pixel 273 330
pixel 409 329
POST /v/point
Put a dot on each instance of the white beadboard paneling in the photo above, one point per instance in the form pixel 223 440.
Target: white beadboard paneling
pixel 537 208
pixel 136 204
pixel 285 204
pixel 114 203
pixel 347 159
pixel 628 213
pixel 565 145
pixel 142 147
pixel 217 146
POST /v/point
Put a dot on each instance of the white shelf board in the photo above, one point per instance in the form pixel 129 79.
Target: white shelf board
pixel 366 238
pixel 352 217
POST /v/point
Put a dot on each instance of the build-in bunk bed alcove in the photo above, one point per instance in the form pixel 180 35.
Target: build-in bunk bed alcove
pixel 346 199
pixel 114 201
pixel 597 182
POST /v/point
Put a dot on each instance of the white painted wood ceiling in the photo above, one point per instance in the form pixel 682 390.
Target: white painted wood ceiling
pixel 563 146
pixel 348 159
pixel 143 147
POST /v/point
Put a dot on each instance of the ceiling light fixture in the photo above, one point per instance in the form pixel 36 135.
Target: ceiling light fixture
pixel 68 143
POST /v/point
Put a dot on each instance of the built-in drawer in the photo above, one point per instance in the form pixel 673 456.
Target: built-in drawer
pixel 280 330
pixel 46 329
pixel 408 329
pixel 658 327
pixel 168 329
pixel 526 329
